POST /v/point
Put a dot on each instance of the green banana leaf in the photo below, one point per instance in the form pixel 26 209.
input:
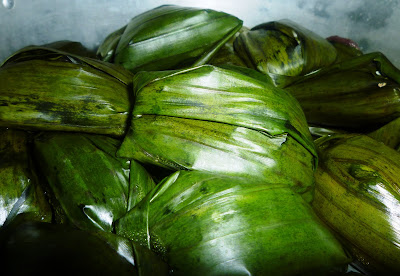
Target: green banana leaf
pixel 91 185
pixel 389 134
pixel 46 89
pixel 188 144
pixel 361 93
pixel 219 120
pixel 169 37
pixel 221 95
pixel 227 55
pixel 284 48
pixel 357 195
pixel 20 192
pixel 34 248
pixel 60 52
pixel 214 224
pixel 106 50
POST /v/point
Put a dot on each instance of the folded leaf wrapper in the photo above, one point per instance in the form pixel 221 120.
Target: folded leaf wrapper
pixel 92 186
pixel 169 37
pixel 227 54
pixel 47 89
pixel 357 195
pixel 20 192
pixel 284 48
pixel 219 120
pixel 208 224
pixel 361 93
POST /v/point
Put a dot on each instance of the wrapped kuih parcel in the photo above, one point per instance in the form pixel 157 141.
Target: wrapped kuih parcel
pixel 204 223
pixel 47 89
pixel 360 93
pixel 357 195
pixel 169 37
pixel 284 48
pixel 89 187
pixel 224 120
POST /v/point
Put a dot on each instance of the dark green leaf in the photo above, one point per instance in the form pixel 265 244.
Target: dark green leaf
pixel 46 89
pixel 171 37
pixel 284 48
pixel 20 192
pixel 93 187
pixel 361 93
pixel 357 195
pixel 208 224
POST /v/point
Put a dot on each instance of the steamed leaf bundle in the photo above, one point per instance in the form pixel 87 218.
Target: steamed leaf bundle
pixel 357 194
pixel 284 48
pixel 360 93
pixel 218 120
pixel 214 224
pixel 20 192
pixel 169 37
pixel 92 187
pixel 47 89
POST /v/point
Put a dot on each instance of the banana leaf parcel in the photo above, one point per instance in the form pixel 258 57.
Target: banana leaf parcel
pixel 284 48
pixel 213 224
pixel 89 185
pixel 360 93
pixel 219 120
pixel 358 195
pixel 169 37
pixel 47 89
pixel 20 192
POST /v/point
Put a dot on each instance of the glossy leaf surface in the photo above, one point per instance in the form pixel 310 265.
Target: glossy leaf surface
pixel 20 192
pixel 178 143
pixel 358 195
pixel 208 224
pixel 284 48
pixel 170 37
pixel 106 50
pixel 45 89
pixel 359 93
pixel 221 95
pixel 93 187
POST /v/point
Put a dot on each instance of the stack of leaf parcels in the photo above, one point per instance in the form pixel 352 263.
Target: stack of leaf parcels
pixel 335 84
pixel 192 153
